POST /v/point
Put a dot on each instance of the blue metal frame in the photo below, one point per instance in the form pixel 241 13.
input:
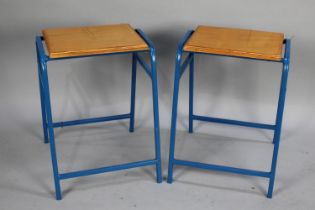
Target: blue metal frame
pixel 179 70
pixel 49 125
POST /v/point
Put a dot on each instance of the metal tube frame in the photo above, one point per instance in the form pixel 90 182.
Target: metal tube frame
pixel 179 70
pixel 49 125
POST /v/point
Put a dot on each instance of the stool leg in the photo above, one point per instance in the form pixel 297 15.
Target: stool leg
pixel 174 119
pixel 191 94
pixel 42 100
pixel 156 118
pixel 133 92
pixel 277 133
pixel 51 130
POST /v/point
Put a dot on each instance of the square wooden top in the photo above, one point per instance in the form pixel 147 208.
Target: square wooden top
pixel 92 40
pixel 236 42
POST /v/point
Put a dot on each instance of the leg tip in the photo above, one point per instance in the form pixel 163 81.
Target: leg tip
pixel 169 180
pixel 159 180
pixel 46 139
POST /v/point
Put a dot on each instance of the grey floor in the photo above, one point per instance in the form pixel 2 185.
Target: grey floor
pixel 26 175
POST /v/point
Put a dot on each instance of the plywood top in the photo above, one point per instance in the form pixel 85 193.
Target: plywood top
pixel 236 42
pixel 92 40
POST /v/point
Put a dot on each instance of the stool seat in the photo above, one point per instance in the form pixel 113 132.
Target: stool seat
pixel 236 42
pixel 92 40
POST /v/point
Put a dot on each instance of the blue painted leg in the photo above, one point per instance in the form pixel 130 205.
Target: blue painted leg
pixel 191 94
pixel 153 76
pixel 133 92
pixel 156 116
pixel 174 118
pixel 280 109
pixel 42 100
pixel 44 121
pixel 51 130
pixel 178 73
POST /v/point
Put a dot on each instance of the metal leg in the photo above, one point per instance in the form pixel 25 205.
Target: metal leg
pixel 133 92
pixel 178 72
pixel 156 117
pixel 191 94
pixel 51 130
pixel 277 133
pixel 42 100
pixel 174 117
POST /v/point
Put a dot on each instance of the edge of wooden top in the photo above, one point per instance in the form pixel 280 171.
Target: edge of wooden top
pixel 109 50
pixel 232 53
pixel 96 52
pixel 238 53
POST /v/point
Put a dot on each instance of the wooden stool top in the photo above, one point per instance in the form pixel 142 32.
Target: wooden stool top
pixel 236 42
pixel 92 40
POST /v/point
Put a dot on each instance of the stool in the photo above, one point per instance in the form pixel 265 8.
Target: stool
pixel 238 43
pixel 67 43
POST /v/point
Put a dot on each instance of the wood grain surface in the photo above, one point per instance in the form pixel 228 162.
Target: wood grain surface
pixel 92 40
pixel 236 42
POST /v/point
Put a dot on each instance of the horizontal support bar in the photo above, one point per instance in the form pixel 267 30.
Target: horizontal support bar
pixel 107 169
pixel 143 64
pixel 222 168
pixel 186 63
pixel 234 122
pixel 91 120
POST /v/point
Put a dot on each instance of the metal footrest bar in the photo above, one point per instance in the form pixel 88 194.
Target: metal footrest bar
pixel 234 122
pixel 144 65
pixel 222 168
pixel 107 169
pixel 91 120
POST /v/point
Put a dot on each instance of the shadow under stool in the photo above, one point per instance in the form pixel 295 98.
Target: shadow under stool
pixel 77 42
pixel 240 43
